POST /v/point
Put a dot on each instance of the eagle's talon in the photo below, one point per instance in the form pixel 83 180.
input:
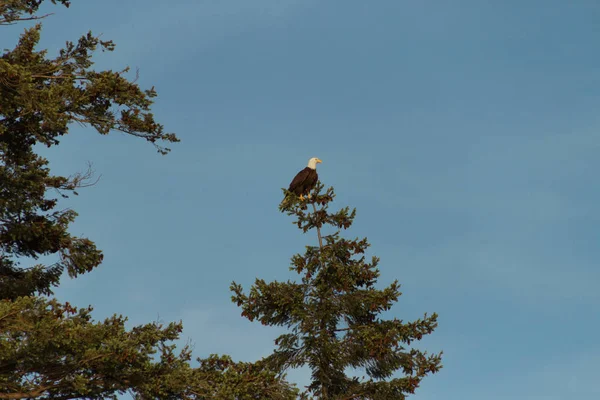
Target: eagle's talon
pixel 301 198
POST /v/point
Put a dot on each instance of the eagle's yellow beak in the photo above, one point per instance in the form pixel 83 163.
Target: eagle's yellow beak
pixel 319 161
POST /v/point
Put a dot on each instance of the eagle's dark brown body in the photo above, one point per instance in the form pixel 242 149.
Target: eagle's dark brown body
pixel 304 181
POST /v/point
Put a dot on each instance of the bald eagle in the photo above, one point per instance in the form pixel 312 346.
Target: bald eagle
pixel 306 179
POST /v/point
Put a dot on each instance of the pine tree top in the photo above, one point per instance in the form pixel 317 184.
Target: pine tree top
pixel 333 312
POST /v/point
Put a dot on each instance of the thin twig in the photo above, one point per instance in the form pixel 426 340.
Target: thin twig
pixel 63 76
pixel 11 21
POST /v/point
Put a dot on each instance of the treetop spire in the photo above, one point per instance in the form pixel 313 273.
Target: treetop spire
pixel 333 312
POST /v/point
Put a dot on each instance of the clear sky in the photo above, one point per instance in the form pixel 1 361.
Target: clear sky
pixel 466 133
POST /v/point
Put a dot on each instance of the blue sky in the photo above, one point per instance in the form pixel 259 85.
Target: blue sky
pixel 466 133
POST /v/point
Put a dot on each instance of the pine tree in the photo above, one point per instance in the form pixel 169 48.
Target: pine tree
pixel 333 314
pixel 52 350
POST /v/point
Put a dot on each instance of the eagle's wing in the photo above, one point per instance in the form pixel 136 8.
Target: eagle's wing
pixel 299 179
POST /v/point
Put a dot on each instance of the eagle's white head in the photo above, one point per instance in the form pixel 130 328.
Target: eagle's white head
pixel 312 163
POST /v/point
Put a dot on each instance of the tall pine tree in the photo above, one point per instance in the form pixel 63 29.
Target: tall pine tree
pixel 52 350
pixel 333 314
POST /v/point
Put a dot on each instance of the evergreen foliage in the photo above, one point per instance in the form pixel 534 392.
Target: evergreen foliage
pixel 55 351
pixel 50 350
pixel 41 96
pixel 333 314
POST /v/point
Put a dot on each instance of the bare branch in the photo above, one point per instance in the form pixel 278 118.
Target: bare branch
pixel 82 179
pixel 63 76
pixel 12 21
